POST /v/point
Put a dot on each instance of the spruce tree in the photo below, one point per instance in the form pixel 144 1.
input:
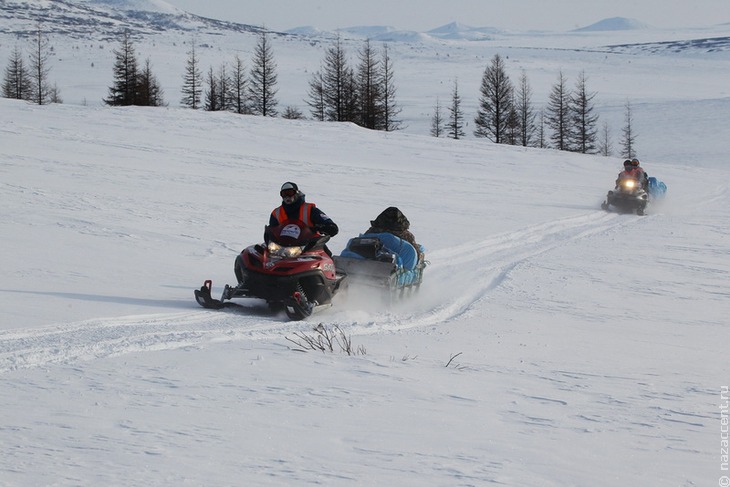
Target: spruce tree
pixel 512 133
pixel 352 98
pixel 218 96
pixel 541 137
pixel 192 89
pixel 583 120
pixel 225 100
pixel 525 112
pixel 495 103
pixel 16 82
pixel 212 98
pixel 149 91
pixel 334 81
pixel 316 100
pixel 605 148
pixel 126 71
pixel 390 108
pixel 369 86
pixel 292 113
pixel 437 120
pixel 628 135
pixel 238 88
pixel 263 80
pixel 54 94
pixel 558 114
pixel 39 69
pixel 455 125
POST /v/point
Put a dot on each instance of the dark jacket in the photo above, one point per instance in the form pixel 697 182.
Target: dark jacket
pixel 392 220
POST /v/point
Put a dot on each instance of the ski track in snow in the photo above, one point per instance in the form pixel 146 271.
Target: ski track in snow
pixel 484 265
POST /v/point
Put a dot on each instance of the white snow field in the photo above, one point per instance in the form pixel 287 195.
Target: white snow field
pixel 551 344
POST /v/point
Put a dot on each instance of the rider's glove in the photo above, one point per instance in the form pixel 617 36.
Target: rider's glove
pixel 327 228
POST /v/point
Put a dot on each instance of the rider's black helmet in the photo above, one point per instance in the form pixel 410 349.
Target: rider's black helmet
pixel 290 192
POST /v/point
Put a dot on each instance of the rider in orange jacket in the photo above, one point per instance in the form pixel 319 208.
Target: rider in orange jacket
pixel 633 170
pixel 293 207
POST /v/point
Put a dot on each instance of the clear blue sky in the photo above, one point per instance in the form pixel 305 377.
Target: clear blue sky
pixel 422 15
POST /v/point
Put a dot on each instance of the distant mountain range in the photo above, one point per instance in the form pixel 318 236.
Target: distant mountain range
pixel 107 18
pixel 612 24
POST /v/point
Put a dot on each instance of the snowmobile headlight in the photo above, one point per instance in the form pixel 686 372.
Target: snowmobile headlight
pixel 279 251
pixel 291 251
pixel 273 247
pixel 630 183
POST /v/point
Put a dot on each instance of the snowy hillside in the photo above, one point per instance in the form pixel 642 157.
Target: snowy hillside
pixel 103 20
pixel 620 66
pixel 576 329
pixel 552 344
pixel 159 6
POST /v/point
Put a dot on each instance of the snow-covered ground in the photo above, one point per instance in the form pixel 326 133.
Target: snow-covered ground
pixel 589 348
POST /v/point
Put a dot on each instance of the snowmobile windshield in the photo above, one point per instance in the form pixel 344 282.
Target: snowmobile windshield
pixel 291 233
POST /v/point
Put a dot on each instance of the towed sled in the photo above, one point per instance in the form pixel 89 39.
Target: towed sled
pixel 382 261
pixel 657 189
pixel 629 196
pixel 293 271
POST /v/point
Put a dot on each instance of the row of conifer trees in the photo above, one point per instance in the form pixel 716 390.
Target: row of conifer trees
pixel 364 94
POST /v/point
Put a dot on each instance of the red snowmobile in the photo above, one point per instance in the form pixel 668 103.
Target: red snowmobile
pixel 293 271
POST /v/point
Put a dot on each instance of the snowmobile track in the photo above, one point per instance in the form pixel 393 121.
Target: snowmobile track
pixel 484 265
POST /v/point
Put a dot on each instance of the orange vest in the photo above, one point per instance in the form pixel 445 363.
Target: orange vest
pixel 305 214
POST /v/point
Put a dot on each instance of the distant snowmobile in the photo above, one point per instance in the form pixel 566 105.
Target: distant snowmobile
pixel 629 196
pixel 293 271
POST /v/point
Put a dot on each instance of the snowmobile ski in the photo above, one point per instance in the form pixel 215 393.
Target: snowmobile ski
pixel 204 298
